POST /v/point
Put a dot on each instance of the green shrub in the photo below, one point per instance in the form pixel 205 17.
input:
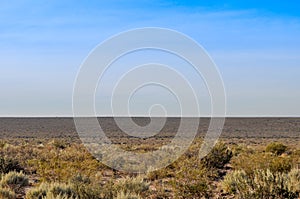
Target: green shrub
pixel 6 193
pixel 8 164
pixel 218 157
pixel 276 148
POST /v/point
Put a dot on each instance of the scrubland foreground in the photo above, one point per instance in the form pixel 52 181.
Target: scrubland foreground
pixel 235 168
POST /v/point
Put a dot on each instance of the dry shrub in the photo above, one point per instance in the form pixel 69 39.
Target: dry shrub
pixel 280 164
pixel 78 188
pixel 263 161
pixel 236 182
pixel 51 190
pixel 9 164
pixel 83 188
pixel 192 180
pixel 294 180
pixel 135 185
pixel 7 193
pixel 127 195
pixel 56 164
pixel 37 192
pixel 2 144
pixel 128 186
pixel 52 196
pixel 14 181
pixel 263 185
pixel 162 173
pixel 276 148
pixel 218 157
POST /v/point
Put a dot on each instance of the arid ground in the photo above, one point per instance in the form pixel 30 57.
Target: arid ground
pixel 234 127
pixel 254 158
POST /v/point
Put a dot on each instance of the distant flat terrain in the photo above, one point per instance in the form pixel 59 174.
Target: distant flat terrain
pixel 234 127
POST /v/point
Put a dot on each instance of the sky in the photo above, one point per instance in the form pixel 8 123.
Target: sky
pixel 255 45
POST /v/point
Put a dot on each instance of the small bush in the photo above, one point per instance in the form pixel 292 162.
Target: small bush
pixel 8 164
pixel 127 186
pixel 57 165
pixel 59 144
pixel 83 188
pixel 192 180
pixel 2 144
pixel 236 182
pixel 160 174
pixel 294 181
pixel 279 164
pixel 276 148
pixel 14 180
pixel 61 189
pixel 127 195
pixel 78 188
pixel 6 193
pixel 108 191
pixel 134 185
pixel 261 161
pixel 218 157
pixel 263 185
pixel 37 192
pixel 54 190
pixel 52 196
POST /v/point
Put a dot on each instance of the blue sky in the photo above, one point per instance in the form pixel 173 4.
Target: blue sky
pixel 255 44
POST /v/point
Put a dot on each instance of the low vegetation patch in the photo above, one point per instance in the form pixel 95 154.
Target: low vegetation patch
pixel 9 164
pixel 218 157
pixel 264 184
pixel 276 148
pixel 6 193
pixel 64 169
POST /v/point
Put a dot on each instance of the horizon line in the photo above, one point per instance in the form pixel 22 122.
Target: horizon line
pixel 147 116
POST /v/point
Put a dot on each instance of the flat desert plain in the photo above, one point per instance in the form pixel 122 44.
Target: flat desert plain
pixel 43 158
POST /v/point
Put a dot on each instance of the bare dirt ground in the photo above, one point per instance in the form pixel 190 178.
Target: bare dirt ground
pixel 233 128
